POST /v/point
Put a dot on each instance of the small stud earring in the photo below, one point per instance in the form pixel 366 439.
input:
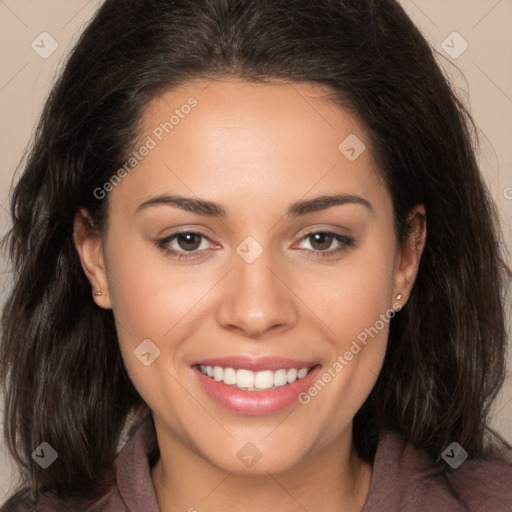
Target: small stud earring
pixel 97 294
pixel 399 296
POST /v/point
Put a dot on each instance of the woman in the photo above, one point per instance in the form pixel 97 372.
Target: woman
pixel 246 231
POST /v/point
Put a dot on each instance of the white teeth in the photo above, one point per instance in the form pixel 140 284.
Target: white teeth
pixel 280 378
pixel 218 373
pixel 302 373
pixel 291 375
pixel 254 381
pixel 244 379
pixel 229 376
pixel 264 380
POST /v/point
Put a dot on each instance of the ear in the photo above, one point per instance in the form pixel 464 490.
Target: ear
pixel 89 245
pixel 409 256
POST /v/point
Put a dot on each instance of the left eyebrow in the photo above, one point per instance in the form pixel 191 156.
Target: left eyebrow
pixel 324 202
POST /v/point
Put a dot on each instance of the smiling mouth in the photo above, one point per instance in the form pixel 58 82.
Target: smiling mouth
pixel 247 380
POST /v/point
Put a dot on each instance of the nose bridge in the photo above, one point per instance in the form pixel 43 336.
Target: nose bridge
pixel 255 300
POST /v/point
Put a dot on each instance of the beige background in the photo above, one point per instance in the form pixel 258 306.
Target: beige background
pixel 483 74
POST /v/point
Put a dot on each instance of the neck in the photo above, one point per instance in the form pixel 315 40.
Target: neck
pixel 333 479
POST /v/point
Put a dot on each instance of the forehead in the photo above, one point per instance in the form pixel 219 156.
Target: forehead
pixel 268 143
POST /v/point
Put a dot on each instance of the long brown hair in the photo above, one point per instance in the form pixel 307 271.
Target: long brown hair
pixel 63 377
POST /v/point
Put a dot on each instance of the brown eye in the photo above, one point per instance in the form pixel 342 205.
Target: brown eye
pixel 184 245
pixel 189 241
pixel 321 241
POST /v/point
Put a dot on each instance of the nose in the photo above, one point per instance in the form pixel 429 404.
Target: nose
pixel 256 298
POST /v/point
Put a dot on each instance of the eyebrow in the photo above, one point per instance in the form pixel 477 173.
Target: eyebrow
pixel 211 209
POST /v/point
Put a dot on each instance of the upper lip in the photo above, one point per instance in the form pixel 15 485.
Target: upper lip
pixel 256 364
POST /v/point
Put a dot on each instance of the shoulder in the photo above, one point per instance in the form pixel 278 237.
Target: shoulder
pixel 483 482
pixel 131 489
pixel 404 480
pixel 47 502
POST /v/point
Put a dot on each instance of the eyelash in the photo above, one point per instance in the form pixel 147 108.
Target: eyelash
pixel 345 241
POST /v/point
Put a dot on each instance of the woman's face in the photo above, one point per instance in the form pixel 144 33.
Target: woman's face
pixel 248 173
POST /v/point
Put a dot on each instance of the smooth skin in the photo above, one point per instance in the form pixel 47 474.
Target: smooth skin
pixel 255 149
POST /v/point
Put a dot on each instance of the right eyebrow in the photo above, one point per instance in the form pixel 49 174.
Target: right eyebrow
pixel 199 206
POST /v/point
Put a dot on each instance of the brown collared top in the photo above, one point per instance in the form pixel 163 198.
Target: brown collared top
pixel 402 481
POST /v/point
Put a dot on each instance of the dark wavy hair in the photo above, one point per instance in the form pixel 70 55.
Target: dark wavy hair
pixel 63 377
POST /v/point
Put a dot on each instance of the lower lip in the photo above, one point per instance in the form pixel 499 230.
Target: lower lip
pixel 256 403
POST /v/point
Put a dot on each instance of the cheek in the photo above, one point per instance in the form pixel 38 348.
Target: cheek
pixel 150 301
pixel 149 294
pixel 351 296
pixel 147 303
pixel 353 300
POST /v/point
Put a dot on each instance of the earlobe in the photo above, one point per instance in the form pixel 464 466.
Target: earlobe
pixel 89 245
pixel 410 253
